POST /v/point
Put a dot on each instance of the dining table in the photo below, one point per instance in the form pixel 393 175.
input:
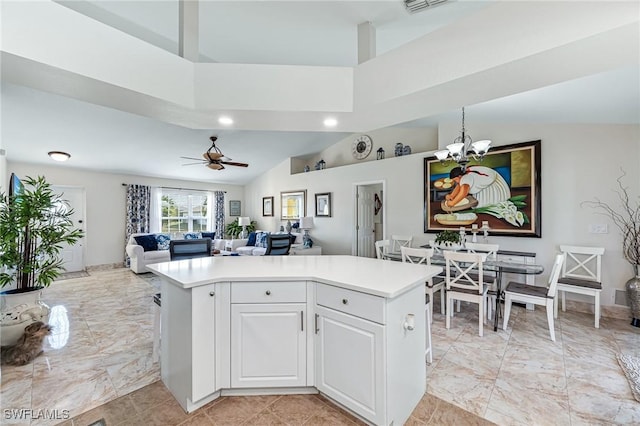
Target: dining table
pixel 490 265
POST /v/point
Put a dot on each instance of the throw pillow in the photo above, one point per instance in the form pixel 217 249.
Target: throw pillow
pixel 163 241
pixel 261 239
pixel 192 235
pixel 211 235
pixel 252 239
pixel 148 242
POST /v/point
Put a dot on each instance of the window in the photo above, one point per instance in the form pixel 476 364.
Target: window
pixel 185 211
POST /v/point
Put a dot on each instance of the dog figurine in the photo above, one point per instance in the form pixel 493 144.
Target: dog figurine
pixel 28 347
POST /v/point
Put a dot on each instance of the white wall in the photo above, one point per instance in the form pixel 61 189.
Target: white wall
pixel 579 162
pixel 105 203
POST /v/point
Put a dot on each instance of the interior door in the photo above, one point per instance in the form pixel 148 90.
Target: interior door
pixel 73 255
pixel 365 228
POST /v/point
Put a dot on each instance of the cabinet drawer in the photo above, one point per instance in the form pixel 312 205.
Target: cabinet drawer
pixel 351 302
pixel 269 292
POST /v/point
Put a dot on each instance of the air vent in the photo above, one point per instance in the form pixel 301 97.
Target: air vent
pixel 621 298
pixel 414 6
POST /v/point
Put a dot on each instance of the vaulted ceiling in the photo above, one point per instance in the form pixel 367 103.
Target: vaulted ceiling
pixel 103 81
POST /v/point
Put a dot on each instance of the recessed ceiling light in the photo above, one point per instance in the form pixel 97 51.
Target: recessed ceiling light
pixel 59 155
pixel 225 120
pixel 330 122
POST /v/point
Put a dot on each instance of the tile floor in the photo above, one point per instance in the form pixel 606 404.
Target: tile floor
pixel 96 367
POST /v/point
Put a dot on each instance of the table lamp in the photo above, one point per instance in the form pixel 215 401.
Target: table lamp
pixel 306 223
pixel 244 221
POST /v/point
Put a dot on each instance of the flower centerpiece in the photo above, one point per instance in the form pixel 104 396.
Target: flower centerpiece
pixel 35 224
pixel 626 217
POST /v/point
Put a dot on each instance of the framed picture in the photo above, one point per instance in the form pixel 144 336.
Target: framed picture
pixel 293 204
pixel 323 204
pixel 234 208
pixel 502 191
pixel 267 206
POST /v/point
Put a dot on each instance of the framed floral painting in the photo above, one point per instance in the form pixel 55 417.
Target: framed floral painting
pixel 501 191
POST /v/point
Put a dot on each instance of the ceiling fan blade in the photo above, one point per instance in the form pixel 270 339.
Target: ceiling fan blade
pixel 233 163
pixel 191 158
pixel 193 164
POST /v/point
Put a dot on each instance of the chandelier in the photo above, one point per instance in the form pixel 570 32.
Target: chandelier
pixel 462 148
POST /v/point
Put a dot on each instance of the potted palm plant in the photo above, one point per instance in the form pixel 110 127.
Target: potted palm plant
pixel 34 224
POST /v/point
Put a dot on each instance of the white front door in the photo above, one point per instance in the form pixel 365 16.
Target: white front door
pixel 73 256
pixel 365 227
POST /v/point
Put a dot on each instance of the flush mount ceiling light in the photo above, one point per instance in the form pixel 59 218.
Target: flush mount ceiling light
pixel 225 120
pixel 330 122
pixel 463 147
pixel 59 155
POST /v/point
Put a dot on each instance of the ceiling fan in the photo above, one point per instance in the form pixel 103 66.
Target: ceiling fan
pixel 214 158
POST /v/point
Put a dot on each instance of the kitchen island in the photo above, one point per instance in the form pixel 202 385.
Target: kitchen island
pixel 348 327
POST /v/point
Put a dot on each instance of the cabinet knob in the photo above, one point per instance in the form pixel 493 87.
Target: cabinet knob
pixel 345 301
pixel 212 293
pixel 268 293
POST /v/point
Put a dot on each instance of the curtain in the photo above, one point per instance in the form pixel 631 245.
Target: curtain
pixel 155 210
pixel 219 212
pixel 137 213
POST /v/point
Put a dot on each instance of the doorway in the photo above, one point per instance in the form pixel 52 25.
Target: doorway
pixel 73 255
pixel 369 200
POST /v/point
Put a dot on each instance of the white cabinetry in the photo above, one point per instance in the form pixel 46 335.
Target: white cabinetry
pixel 188 342
pixel 349 362
pixel 365 359
pixel 268 334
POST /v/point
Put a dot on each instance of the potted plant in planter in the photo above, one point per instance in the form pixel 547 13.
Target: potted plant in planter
pixel 233 229
pixel 448 240
pixel 626 217
pixel 34 224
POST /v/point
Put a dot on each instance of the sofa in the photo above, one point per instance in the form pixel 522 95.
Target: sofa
pixel 256 244
pixel 143 251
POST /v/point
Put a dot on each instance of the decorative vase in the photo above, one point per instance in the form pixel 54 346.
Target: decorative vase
pixel 633 293
pixel 18 309
pixel 406 150
pixel 398 151
pixel 288 227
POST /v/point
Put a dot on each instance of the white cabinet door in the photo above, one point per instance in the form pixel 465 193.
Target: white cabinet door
pixel 203 341
pixel 350 363
pixel 268 345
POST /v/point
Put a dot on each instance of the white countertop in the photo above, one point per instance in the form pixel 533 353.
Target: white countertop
pixel 373 276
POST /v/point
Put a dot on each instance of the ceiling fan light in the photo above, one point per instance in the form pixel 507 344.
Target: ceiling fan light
pixel 59 155
pixel 215 166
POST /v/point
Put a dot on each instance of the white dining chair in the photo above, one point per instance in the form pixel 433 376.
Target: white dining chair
pixel 398 241
pixel 544 296
pixel 581 274
pixel 491 250
pixel 382 248
pixel 422 256
pixel 461 284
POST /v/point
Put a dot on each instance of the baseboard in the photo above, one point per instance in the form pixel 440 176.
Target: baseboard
pixel 606 311
pixel 105 267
